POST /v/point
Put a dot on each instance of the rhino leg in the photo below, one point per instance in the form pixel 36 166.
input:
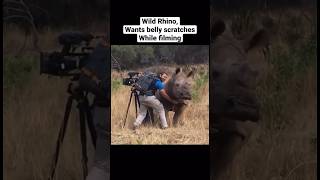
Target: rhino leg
pixel 225 148
pixel 178 115
pixel 227 143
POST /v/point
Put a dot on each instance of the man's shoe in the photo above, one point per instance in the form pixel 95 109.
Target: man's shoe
pixel 135 127
pixel 164 127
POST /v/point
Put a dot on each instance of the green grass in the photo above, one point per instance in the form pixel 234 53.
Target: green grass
pixel 18 70
pixel 289 69
pixel 201 79
pixel 115 84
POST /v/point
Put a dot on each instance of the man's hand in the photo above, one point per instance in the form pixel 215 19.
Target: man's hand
pixel 164 94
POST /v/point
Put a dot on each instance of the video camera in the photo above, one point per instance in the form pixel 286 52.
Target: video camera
pixel 74 54
pixel 133 77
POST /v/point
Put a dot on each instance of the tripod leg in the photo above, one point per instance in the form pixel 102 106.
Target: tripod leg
pixel 137 98
pixel 136 101
pixel 61 136
pixel 124 123
pixel 83 136
pixel 90 123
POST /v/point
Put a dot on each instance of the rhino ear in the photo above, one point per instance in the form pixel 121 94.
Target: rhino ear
pixel 190 74
pixel 217 29
pixel 178 70
pixel 259 39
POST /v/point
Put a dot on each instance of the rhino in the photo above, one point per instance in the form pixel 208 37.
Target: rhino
pixel 233 79
pixel 179 88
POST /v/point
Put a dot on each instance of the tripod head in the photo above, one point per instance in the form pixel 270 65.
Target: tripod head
pixel 80 85
pixel 76 92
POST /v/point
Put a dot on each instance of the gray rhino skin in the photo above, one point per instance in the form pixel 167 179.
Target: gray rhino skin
pixel 233 78
pixel 179 88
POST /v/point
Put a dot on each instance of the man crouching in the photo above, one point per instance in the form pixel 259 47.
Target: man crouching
pixel 146 87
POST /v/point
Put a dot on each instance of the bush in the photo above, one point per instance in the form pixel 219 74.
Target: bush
pixel 139 56
pixel 17 70
pixel 201 80
pixel 288 71
pixel 115 84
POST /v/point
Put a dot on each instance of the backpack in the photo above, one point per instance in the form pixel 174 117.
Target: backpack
pixel 144 83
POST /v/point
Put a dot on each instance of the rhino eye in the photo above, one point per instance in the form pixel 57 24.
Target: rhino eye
pixel 177 85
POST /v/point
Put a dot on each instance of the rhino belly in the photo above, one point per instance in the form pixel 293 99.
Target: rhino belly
pixel 166 104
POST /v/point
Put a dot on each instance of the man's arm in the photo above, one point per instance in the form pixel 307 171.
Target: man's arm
pixel 160 86
pixel 164 94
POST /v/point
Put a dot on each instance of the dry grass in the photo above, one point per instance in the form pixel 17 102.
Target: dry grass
pixel 194 131
pixel 286 154
pixel 285 145
pixel 32 118
pixel 33 111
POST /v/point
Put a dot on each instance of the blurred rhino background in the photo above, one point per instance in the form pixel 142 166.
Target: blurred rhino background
pixel 275 75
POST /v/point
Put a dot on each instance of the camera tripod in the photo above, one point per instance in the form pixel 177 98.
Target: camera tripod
pixel 85 115
pixel 136 104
